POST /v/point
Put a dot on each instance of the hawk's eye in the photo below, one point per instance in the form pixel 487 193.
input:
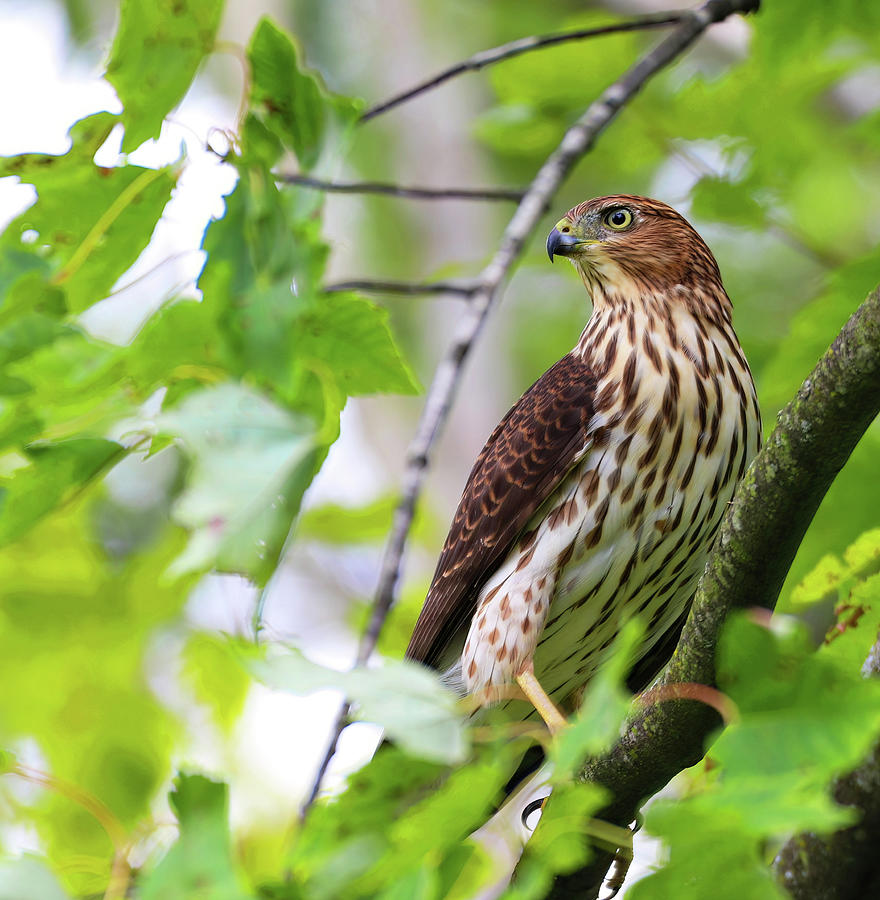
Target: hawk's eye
pixel 618 219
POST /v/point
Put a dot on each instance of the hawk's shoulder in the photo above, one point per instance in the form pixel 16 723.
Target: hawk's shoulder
pixel 524 459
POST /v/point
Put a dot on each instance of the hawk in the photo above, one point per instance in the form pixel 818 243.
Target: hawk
pixel 598 495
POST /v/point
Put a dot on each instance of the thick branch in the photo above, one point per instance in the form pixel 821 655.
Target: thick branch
pixel 843 865
pixel 515 48
pixel 813 438
pixel 511 195
pixel 577 141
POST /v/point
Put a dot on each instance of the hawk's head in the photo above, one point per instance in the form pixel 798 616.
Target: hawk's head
pixel 624 239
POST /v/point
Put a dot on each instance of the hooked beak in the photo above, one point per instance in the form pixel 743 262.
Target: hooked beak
pixel 559 244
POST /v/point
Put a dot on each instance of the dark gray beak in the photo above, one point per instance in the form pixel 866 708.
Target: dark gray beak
pixel 559 244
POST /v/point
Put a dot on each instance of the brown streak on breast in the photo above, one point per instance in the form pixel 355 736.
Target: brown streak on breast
pixel 525 559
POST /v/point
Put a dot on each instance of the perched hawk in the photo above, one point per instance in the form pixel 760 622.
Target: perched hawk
pixel 598 495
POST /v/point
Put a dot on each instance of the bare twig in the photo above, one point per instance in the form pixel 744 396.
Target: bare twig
pixel 464 288
pixel 575 143
pixel 511 195
pixel 693 690
pixel 522 45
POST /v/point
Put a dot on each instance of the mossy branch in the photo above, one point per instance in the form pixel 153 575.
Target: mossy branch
pixel 775 503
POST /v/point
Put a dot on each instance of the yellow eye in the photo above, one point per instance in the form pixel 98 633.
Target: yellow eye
pixel 618 219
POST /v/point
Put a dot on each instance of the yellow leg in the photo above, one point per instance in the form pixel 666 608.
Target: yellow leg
pixel 546 708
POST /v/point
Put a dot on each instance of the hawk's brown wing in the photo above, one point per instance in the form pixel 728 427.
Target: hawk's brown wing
pixel 534 445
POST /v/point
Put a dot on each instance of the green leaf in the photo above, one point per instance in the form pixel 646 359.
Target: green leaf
pixel 351 336
pixel 199 864
pixel 157 50
pixel 86 137
pixel 26 333
pixel 56 471
pixel 252 461
pixel 803 720
pixel 92 223
pixel 709 856
pixel 262 283
pixel 407 700
pixel 822 584
pixel 346 835
pixel 560 843
pixel 435 827
pixel 289 100
pixel 857 628
pixel 603 708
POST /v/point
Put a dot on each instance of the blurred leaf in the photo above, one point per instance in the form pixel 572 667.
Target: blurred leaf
pixel 86 137
pixel 158 48
pixel 55 472
pixel 438 824
pixel 857 627
pixel 560 843
pixel 72 618
pixel 199 864
pixel 348 833
pixel 726 201
pixel 213 668
pixel 833 578
pixel 407 700
pixel 252 461
pixel 332 523
pixel 26 333
pixel 309 348
pixel 603 708
pixel 804 720
pixel 800 712
pixel 823 583
pixel 709 856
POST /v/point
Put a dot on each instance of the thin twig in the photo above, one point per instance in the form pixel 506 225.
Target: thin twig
pixel 511 195
pixel 464 288
pixel 522 45
pixel 693 690
pixel 576 142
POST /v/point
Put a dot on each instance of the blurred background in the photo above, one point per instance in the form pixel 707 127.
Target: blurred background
pixel 777 168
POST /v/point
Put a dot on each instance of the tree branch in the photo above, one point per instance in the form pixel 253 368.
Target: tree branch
pixel 515 48
pixel 465 288
pixel 511 195
pixel 841 865
pixel 576 142
pixel 763 527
